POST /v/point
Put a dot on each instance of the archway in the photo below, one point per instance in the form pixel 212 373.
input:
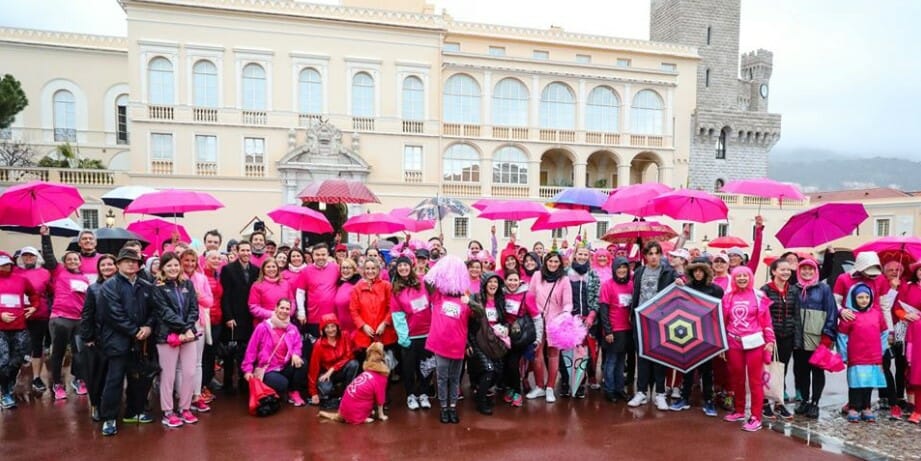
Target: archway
pixel 601 170
pixel 336 214
pixel 556 171
pixel 645 167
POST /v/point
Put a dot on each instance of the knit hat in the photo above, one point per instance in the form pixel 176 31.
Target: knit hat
pixel 860 288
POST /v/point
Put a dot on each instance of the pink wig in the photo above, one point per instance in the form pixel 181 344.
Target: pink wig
pixel 565 331
pixel 740 270
pixel 449 275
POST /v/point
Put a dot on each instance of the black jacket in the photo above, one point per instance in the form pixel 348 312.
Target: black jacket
pixel 90 323
pixel 123 309
pixel 176 308
pixel 666 277
pixel 234 301
pixel 784 309
pixel 709 289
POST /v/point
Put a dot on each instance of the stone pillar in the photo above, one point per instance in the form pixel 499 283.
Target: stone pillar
pixel 534 107
pixel 487 99
pixel 665 175
pixel 578 173
pixel 623 174
pixel 486 177
pixel 626 105
pixel 534 178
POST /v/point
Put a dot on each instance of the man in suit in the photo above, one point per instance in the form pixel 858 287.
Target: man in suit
pixel 236 279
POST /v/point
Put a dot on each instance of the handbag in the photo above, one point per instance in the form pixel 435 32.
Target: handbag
pixel 773 386
pixel 522 332
pixel 752 341
pixel 487 341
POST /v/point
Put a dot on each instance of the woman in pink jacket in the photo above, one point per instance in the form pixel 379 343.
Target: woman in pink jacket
pixel 189 260
pixel 273 355
pixel 551 294
pixel 751 344
pixel 268 289
pixel 69 286
pixel 348 278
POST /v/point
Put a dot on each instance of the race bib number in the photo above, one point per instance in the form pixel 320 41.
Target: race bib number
pixel 512 307
pixel 9 300
pixel 492 315
pixel 419 304
pixel 625 300
pixel 79 286
pixel 450 309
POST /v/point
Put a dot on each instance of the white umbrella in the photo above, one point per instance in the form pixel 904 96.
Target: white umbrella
pixel 121 197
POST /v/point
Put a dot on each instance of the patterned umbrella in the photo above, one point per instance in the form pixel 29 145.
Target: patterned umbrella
pixel 580 198
pixel 337 191
pixel 628 232
pixel 681 328
pixel 438 207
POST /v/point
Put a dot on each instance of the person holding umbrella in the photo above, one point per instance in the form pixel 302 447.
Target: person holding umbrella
pixel 17 304
pixel 30 264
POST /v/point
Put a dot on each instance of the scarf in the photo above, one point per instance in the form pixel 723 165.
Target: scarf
pixel 296 269
pixel 806 284
pixel 581 269
pixel 278 323
pixel 551 277
pixel 351 280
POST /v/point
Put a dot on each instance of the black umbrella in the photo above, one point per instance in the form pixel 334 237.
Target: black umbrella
pixel 59 228
pixel 111 240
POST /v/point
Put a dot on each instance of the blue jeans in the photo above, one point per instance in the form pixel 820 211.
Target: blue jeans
pixel 615 355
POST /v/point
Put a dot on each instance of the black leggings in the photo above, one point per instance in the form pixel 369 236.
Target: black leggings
pixel 859 398
pixel 63 333
pixel 805 374
pixel 38 331
pixel 412 378
pixel 511 370
pixel 895 384
pixel 784 354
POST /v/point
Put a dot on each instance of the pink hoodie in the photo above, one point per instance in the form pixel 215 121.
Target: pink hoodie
pixel 448 333
pixel 617 296
pixel 264 295
pixel 204 295
pixel 414 302
pixel 319 287
pixel 746 311
pixel 549 304
pixel 69 293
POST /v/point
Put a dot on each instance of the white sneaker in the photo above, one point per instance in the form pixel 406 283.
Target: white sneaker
pixel 535 393
pixel 676 393
pixel 424 402
pixel 638 399
pixel 549 394
pixel 661 402
pixel 412 403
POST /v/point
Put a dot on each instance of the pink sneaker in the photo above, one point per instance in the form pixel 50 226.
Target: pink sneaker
pixel 171 420
pixel 199 406
pixel 734 417
pixel 517 400
pixel 60 392
pixel 80 387
pixel 294 398
pixel 188 417
pixel 753 425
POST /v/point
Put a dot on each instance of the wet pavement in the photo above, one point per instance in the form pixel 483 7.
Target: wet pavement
pixel 568 429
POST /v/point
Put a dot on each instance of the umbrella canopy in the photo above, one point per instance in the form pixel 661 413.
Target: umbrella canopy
pixel 157 231
pixel 822 224
pixel 908 246
pixel 172 202
pixel 37 202
pixel 634 199
pixel 763 187
pixel 628 232
pixel 691 205
pixel 681 328
pixel 515 211
pixel 121 197
pixel 374 223
pixel 483 203
pixel 110 240
pixel 728 241
pixel 412 224
pixel 59 228
pixel 301 218
pixel 582 198
pixel 562 218
pixel 337 191
pixel 436 208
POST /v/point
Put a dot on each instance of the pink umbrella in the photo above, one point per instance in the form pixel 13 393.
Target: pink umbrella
pixel 563 218
pixel 909 245
pixel 691 205
pixel 301 218
pixel 483 203
pixel 337 191
pixel 172 202
pixel 634 200
pixel 514 211
pixel 763 187
pixel 728 241
pixel 374 223
pixel 412 224
pixel 629 232
pixel 156 231
pixel 37 202
pixel 820 225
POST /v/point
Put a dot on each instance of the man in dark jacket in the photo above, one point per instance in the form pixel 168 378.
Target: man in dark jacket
pixel 236 280
pixel 648 281
pixel 126 323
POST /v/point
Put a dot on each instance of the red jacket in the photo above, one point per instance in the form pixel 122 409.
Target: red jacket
pixel 326 356
pixel 217 290
pixel 370 305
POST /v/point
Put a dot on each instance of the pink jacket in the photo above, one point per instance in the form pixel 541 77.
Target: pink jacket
pixel 318 286
pixel 264 295
pixel 413 302
pixel 69 293
pixel 203 293
pixel 747 312
pixel 41 282
pixel 549 304
pixel 341 304
pixel 259 351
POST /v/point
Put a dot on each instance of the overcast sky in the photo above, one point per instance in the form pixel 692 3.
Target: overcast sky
pixel 846 72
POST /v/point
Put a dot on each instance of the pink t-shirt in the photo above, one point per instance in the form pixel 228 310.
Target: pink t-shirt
pixel 413 302
pixel 515 306
pixel 320 288
pixel 618 298
pixel 366 391
pixel 448 334
pixel 722 281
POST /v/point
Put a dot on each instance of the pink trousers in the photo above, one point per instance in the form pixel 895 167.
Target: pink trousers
pixel 186 356
pixel 747 364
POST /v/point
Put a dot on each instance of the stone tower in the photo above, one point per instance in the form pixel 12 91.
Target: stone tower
pixel 733 132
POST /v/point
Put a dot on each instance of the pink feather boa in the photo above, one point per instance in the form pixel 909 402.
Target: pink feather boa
pixel 449 275
pixel 565 331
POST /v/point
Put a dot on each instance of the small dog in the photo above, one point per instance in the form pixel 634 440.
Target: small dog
pixel 366 392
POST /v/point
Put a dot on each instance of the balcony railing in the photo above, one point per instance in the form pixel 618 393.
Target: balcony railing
pixel 23 174
pixel 160 112
pixel 163 167
pixel 88 177
pixel 251 117
pixel 62 175
pixel 460 189
pixel 550 191
pixel 506 190
pixel 460 129
pixel 608 139
pixel 307 120
pixel 557 135
pixel 204 114
pixel 363 123
pixel 206 168
pixel 508 132
pixel 254 170
pixel 65 135
pixel 412 176
pixel 412 126
pixel 647 141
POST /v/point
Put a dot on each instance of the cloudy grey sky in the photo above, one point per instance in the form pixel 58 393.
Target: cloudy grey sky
pixel 845 71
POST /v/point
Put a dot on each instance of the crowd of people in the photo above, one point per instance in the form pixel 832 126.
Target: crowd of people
pixel 301 321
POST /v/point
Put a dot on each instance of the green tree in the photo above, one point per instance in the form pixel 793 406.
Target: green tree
pixel 12 100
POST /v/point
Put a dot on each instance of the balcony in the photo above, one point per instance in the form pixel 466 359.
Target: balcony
pixel 160 112
pixel 254 170
pixel 550 191
pixel 204 114
pixel 557 135
pixel 459 129
pixel 505 132
pixel 607 139
pixel 61 175
pixel 461 189
pixel 307 120
pixel 647 141
pixel 510 190
pixel 363 123
pixel 412 126
pixel 161 167
pixel 412 176
pixel 206 168
pixel 251 117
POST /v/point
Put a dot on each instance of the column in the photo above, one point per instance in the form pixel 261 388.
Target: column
pixel 578 173
pixel 487 100
pixel 486 176
pixel 534 107
pixel 665 175
pixel 627 104
pixel 581 98
pixel 623 174
pixel 534 178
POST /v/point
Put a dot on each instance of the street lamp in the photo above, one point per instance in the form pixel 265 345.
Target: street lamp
pixel 322 206
pixel 110 219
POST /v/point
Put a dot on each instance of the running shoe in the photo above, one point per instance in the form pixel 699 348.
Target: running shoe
pixel 753 425
pixel 171 420
pixel 60 392
pixel 188 417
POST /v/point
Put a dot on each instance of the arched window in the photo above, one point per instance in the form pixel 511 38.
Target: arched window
pixel 461 164
pixel 510 166
pixel 721 143
pixel 121 119
pixel 510 103
pixel 160 81
pixel 557 107
pixel 602 110
pixel 413 99
pixel 204 84
pixel 362 95
pixel 718 185
pixel 647 114
pixel 253 87
pixel 309 92
pixel 462 100
pixel 65 119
